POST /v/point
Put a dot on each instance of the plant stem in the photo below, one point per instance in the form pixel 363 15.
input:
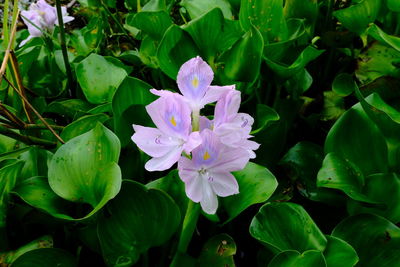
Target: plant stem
pixel 116 20
pixel 64 48
pixel 36 112
pixel 29 140
pixel 188 226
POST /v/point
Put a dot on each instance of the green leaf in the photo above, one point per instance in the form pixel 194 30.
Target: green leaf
pixel 82 125
pixel 175 48
pixel 265 115
pixel 71 108
pixel 357 17
pixel 384 38
pixel 376 240
pixel 128 107
pixel 266 16
pixel 302 163
pixel 138 219
pixel 301 9
pixel 99 78
pixel 198 8
pixel 85 170
pixel 174 187
pixel 333 106
pixel 243 60
pixel 343 84
pixel 35 162
pixel 339 253
pixel 153 23
pixel 46 257
pixel 213 34
pixel 355 138
pixel 9 175
pixel 218 251
pixel 393 5
pixel 338 173
pixel 36 192
pixel 383 188
pixel 286 226
pixel 256 185
pixel 377 61
pixel 291 258
pixel 288 70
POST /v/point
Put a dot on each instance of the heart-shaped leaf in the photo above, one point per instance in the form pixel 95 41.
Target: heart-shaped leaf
pixel 256 185
pixel 292 258
pixel 339 253
pixel 196 8
pixel 138 219
pixel 376 240
pixel 99 78
pixel 82 125
pixel 286 226
pixel 85 170
pixel 218 251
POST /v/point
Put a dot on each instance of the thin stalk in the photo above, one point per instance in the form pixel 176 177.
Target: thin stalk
pixel 7 52
pixel 5 22
pixel 397 30
pixel 42 126
pixel 29 140
pixel 13 118
pixel 64 47
pixel 18 78
pixel 36 112
pixel 116 20
pixel 188 226
pixel 138 7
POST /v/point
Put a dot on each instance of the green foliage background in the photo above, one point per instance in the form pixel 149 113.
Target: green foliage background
pixel 320 77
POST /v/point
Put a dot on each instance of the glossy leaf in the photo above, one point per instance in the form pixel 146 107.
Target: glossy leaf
pixel 366 139
pixel 343 84
pixel 376 240
pixel 218 251
pixel 71 108
pixel 256 185
pixel 153 23
pixel 243 60
pixel 175 48
pixel 383 188
pixel 357 17
pixel 286 226
pixel 339 253
pixel 377 61
pixel 46 257
pixel 199 8
pixel 383 37
pixel 139 218
pixel 99 78
pixel 300 9
pixel 338 173
pixel 266 16
pixel 265 115
pixel 132 93
pixel 286 71
pixel 213 34
pixel 82 125
pixel 36 192
pixel 85 170
pixel 292 258
pixel 9 175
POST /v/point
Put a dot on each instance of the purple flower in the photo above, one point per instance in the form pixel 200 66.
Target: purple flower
pixel 232 127
pixel 42 17
pixel 194 81
pixel 207 175
pixel 171 115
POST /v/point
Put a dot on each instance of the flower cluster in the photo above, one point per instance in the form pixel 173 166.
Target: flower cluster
pixel 207 151
pixel 42 17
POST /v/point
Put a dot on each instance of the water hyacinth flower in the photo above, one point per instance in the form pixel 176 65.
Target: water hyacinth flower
pixel 165 144
pixel 41 17
pixel 207 175
pixel 232 127
pixel 194 82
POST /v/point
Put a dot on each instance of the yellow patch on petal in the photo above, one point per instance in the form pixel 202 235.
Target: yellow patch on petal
pixel 172 121
pixel 206 156
pixel 195 82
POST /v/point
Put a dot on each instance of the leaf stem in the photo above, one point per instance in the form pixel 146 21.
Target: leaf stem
pixel 64 48
pixel 188 226
pixel 29 140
